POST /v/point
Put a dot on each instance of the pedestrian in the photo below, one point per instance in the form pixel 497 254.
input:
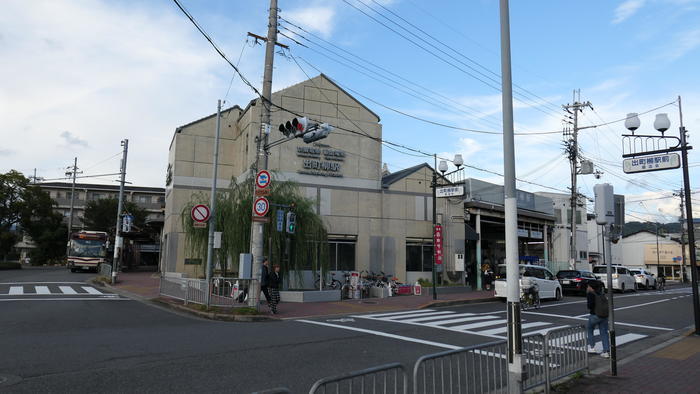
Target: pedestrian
pixel 274 285
pixel 265 279
pixel 598 308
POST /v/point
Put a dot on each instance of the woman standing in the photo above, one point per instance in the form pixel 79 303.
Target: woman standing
pixel 274 282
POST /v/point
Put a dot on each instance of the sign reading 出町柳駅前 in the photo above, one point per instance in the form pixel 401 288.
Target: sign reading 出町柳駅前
pixel 321 161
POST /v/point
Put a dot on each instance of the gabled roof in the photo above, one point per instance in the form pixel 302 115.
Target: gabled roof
pixel 389 179
pixel 638 232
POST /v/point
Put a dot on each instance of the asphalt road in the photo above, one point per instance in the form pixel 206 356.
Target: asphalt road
pixel 85 342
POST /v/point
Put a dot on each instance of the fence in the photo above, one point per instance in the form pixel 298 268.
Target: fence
pixel 224 291
pixel 105 270
pixel 389 378
pixel 565 353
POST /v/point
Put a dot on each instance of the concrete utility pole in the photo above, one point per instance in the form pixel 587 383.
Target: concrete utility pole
pixel 683 236
pixel 118 241
pixel 212 203
pixel 572 148
pixel 515 352
pixel 73 171
pixel 256 236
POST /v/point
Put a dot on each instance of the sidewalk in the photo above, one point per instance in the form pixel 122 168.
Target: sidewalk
pixel 675 368
pixel 145 285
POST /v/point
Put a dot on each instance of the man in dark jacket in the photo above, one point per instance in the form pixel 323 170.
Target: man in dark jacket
pixel 265 279
pixel 274 284
pixel 598 308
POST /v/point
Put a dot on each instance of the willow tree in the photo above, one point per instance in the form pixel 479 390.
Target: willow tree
pixel 308 246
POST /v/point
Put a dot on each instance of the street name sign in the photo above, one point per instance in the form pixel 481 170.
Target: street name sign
pixel 667 161
pixel 449 191
pixel 280 220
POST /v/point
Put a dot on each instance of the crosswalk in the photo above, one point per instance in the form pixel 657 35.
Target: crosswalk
pixel 492 325
pixel 13 291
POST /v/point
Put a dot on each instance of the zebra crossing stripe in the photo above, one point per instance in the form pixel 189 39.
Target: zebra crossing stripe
pixel 392 318
pixel 545 330
pixel 16 290
pixel 67 290
pixel 478 325
pixel 42 289
pixel 426 318
pixel 462 320
pixel 91 290
pixel 398 313
pixel 504 329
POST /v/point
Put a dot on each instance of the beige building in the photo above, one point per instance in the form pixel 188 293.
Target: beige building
pixel 374 220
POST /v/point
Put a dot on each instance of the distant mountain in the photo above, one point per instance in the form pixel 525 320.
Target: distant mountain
pixel 664 228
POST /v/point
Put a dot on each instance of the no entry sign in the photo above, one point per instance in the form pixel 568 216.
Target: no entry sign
pixel 261 206
pixel 200 213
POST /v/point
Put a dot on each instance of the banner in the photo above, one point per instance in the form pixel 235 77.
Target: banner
pixel 437 242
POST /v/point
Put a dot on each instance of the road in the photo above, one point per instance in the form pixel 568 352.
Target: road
pixel 57 341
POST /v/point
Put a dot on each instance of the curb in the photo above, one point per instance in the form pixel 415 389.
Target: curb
pixel 436 304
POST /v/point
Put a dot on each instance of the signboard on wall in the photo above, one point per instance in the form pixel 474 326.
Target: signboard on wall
pixel 667 252
pixel 320 160
pixel 437 241
pixel 523 233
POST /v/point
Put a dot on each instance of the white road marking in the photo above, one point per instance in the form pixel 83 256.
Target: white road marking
pixel 92 290
pixel 477 325
pixel 106 298
pixel 15 290
pixel 504 329
pixel 546 330
pixel 42 283
pixel 384 334
pixel 42 290
pixel 417 319
pixel 67 290
pixel 400 313
pixel 584 318
pixel 417 315
pixel 464 319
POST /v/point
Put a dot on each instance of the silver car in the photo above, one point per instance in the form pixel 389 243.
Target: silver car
pixel 622 280
pixel 644 278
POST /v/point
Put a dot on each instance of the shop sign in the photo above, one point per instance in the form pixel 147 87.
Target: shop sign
pixel 535 234
pixel 437 242
pixel 449 191
pixel 321 161
pixel 523 233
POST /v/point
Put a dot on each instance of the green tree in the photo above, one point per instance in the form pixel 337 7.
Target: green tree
pixel 308 246
pixel 101 215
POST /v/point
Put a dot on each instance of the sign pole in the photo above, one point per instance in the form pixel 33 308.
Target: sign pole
pixel 212 203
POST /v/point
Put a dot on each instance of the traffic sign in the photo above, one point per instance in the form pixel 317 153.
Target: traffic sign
pixel 280 220
pixel 261 219
pixel 200 213
pixel 263 179
pixel 261 206
pixel 666 161
pixel 261 192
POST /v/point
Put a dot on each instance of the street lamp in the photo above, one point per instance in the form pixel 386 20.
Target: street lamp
pixel 458 162
pixel 631 142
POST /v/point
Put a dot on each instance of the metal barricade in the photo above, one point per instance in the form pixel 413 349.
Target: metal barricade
pixel 226 291
pixel 534 361
pixel 105 270
pixel 173 287
pixel 566 352
pixel 197 291
pixel 389 378
pixel 474 369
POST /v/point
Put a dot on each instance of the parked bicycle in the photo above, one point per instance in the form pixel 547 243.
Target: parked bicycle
pixel 530 297
pixel 334 283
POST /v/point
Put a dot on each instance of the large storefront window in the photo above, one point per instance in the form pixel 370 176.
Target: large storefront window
pixel 341 255
pixel 419 256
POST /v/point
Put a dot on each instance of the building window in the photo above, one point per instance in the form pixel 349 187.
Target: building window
pixel 141 199
pixel 96 196
pixel 582 254
pixel 341 255
pixel 578 217
pixel 419 256
pixel 557 215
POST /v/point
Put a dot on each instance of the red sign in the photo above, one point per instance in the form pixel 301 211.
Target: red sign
pixel 437 241
pixel 261 206
pixel 262 179
pixel 200 213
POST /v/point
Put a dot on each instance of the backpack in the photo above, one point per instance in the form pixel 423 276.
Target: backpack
pixel 601 306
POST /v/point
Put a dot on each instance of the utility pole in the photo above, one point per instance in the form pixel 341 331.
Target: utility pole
pixel 683 236
pixel 256 236
pixel 118 241
pixel 212 203
pixel 515 340
pixel 572 149
pixel 73 172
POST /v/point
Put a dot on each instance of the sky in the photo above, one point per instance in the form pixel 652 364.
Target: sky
pixel 79 76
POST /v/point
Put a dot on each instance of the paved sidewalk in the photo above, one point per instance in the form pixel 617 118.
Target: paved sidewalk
pixel 146 285
pixel 674 368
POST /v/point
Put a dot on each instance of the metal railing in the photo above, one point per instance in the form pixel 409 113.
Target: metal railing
pixel 224 291
pixel 105 269
pixel 389 378
pixel 534 361
pixel 474 369
pixel 566 353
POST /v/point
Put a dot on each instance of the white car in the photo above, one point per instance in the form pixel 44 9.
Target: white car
pixel 548 284
pixel 622 279
pixel 644 278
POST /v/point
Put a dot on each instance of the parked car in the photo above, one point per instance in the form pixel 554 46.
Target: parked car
pixel 621 277
pixel 549 286
pixel 576 281
pixel 644 278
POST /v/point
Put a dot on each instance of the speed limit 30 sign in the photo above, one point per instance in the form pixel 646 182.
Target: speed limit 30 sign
pixel 261 206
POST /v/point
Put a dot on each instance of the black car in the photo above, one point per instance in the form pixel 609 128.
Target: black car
pixel 576 281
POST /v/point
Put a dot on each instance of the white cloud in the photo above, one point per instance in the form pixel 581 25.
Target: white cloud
pixel 684 43
pixel 626 10
pixel 315 18
pixel 71 139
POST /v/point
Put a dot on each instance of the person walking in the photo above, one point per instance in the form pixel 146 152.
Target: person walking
pixel 598 317
pixel 265 279
pixel 274 284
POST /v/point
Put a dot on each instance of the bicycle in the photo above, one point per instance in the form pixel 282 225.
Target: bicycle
pixel 334 284
pixel 530 298
pixel 661 285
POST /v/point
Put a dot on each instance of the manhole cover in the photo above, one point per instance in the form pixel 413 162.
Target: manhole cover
pixel 8 380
